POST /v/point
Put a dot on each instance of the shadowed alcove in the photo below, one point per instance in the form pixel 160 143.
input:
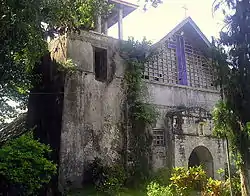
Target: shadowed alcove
pixel 202 156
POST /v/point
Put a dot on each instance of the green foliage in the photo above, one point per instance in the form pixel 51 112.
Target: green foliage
pixel 135 50
pixel 217 188
pixel 222 188
pixel 137 93
pixel 154 189
pixel 24 165
pixel 227 125
pixel 233 65
pixel 224 120
pixel 132 192
pixel 141 114
pixel 162 176
pixel 90 191
pixel 185 180
pixel 221 172
pixel 115 180
pixel 236 185
pixel 25 26
pixel 182 181
pixel 192 181
pixel 68 66
pixel 106 179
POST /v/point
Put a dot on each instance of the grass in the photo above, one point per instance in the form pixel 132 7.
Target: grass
pixel 130 192
pixel 92 192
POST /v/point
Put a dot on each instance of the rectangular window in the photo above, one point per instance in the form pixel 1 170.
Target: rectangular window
pixel 158 139
pixel 100 64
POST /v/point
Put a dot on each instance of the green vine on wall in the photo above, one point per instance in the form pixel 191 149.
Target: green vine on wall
pixel 140 114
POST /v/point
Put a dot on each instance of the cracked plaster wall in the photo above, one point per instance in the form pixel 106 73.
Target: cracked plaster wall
pixel 92 109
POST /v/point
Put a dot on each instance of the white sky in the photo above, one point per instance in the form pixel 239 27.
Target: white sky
pixel 155 23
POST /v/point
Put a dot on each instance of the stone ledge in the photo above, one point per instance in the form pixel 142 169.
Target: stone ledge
pixel 183 87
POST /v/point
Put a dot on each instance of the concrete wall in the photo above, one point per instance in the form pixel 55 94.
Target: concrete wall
pixel 92 109
pixel 177 95
pixel 177 149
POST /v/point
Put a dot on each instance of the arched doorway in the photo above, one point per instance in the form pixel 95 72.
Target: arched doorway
pixel 202 156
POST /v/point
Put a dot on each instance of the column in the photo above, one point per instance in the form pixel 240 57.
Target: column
pixel 98 24
pixel 105 25
pixel 105 28
pixel 120 27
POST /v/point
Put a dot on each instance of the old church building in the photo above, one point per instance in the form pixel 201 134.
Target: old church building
pixel 180 81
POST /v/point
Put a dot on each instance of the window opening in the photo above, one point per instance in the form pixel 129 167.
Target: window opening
pixel 100 64
pixel 158 138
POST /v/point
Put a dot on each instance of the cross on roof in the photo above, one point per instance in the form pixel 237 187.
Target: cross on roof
pixel 185 8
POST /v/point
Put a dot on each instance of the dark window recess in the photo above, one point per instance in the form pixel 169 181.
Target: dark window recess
pixel 100 63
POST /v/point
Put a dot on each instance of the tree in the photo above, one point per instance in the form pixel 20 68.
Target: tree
pixel 25 25
pixel 232 115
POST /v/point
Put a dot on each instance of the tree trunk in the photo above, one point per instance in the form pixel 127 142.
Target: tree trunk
pixel 245 180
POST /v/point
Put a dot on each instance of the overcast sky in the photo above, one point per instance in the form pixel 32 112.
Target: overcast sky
pixel 157 22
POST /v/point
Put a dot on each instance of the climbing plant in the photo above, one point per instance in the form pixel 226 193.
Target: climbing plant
pixel 140 113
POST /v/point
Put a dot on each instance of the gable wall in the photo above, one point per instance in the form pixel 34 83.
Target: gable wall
pixel 163 66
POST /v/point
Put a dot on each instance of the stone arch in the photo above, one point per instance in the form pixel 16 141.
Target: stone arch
pixel 202 156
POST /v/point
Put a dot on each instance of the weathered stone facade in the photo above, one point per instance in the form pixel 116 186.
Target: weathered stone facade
pixel 92 108
pixel 177 108
pixel 93 112
pixel 185 97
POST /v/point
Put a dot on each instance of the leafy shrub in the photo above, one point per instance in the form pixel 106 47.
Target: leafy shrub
pixel 154 189
pixel 105 178
pixel 216 188
pixel 185 180
pixel 222 188
pixel 115 180
pixel 24 166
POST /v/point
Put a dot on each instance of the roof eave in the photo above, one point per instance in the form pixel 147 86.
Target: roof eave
pixel 204 38
pixel 178 27
pixel 127 9
pixel 125 3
